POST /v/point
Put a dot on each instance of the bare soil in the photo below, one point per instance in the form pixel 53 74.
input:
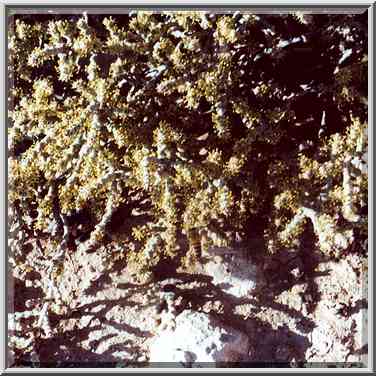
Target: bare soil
pixel 305 311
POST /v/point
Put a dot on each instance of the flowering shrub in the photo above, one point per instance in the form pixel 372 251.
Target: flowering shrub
pixel 246 125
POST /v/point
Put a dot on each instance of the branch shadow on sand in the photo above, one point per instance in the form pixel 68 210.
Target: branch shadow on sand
pixel 270 346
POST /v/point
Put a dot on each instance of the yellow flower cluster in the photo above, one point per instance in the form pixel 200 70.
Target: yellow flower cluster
pixel 226 30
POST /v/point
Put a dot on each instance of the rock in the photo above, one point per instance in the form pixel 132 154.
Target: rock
pixel 237 277
pixel 198 338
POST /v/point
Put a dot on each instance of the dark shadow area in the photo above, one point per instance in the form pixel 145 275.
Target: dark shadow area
pixel 23 294
pixel 362 351
pixel 98 284
pixel 358 306
pixel 299 267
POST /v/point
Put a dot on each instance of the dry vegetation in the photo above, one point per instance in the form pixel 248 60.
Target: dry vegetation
pixel 144 148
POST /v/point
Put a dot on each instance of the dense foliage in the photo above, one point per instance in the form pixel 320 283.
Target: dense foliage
pixel 244 126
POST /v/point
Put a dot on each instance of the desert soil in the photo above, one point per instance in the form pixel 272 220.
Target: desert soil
pixel 305 311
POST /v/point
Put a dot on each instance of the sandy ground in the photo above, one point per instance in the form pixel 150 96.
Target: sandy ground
pixel 307 311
